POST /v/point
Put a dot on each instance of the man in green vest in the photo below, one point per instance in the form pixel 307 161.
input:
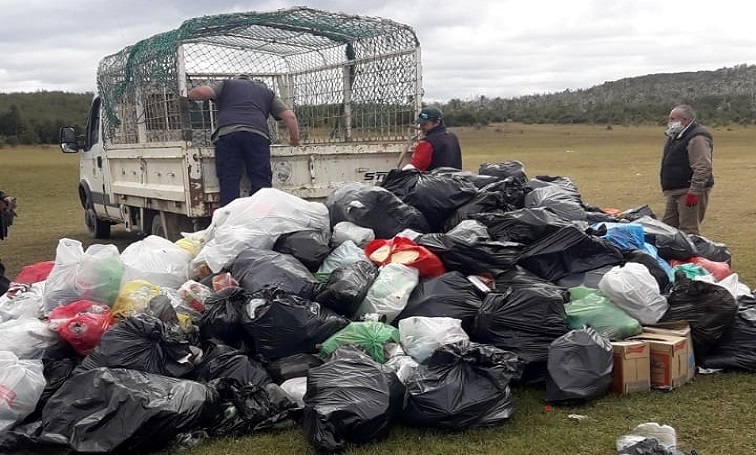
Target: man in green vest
pixel 686 170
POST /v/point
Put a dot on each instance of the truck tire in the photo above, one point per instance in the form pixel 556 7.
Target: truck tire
pixel 173 226
pixel 98 228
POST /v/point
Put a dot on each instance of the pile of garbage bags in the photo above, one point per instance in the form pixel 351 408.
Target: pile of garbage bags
pixel 422 300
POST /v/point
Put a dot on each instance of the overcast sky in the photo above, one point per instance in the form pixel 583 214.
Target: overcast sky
pixel 469 48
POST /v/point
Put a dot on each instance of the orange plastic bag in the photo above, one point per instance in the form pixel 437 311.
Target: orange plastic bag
pixel 401 250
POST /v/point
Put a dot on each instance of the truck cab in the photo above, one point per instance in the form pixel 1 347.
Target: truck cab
pixel 147 160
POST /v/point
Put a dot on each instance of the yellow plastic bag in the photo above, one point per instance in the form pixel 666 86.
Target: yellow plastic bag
pixel 134 298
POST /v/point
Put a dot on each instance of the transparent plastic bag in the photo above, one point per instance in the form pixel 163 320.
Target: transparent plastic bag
pixel 157 260
pixel 94 274
pixel 345 254
pixel 345 230
pixel 390 291
pixel 134 298
pixel 420 335
pixel 665 434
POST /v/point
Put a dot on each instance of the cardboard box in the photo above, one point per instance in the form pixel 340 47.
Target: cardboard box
pixel 631 371
pixel 669 359
pixel 681 329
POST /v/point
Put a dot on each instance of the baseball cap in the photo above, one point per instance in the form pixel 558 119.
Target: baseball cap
pixel 429 113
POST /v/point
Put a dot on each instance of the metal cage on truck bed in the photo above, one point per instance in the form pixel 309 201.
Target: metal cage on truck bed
pixel 350 79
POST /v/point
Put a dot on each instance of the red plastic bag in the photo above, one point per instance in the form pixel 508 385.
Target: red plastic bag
pixel 34 273
pixel 719 270
pixel 401 250
pixel 81 324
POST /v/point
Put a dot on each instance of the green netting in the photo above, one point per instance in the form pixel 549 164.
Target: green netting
pixel 348 78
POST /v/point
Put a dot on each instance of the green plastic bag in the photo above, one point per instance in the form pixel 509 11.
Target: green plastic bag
pixel 691 270
pixel 592 308
pixel 369 335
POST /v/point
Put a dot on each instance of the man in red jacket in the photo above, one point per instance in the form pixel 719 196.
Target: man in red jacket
pixel 439 146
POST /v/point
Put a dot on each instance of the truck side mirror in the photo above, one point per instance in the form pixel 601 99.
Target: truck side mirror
pixel 69 143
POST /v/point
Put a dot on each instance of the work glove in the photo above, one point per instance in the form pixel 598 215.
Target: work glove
pixel 691 200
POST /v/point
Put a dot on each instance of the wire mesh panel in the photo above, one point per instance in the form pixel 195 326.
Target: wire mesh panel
pixel 348 78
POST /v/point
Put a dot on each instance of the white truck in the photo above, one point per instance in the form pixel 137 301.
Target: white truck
pixel 146 157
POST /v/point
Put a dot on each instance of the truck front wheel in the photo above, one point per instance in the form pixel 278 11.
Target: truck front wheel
pixel 98 228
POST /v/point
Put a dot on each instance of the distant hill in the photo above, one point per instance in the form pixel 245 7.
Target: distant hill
pixel 724 96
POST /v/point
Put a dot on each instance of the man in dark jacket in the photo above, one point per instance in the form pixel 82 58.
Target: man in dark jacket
pixel 7 212
pixel 439 146
pixel 242 136
pixel 686 170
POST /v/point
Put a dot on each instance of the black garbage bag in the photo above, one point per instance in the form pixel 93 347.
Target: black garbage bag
pixel 648 446
pixel 293 366
pixel 400 182
pixel 636 213
pixel 347 287
pixel 460 386
pixel 736 349
pixel 524 321
pixel 580 367
pixel 469 253
pixel 437 196
pixel 281 324
pixel 256 269
pixel 144 343
pixel 652 264
pixel 350 399
pixel 482 202
pixel 569 251
pixel 374 207
pixel 560 201
pixel 476 179
pixel 449 295
pixel 513 168
pixel 588 279
pixel 710 250
pixel 519 277
pixel 105 410
pixel 224 362
pixel 247 408
pixel 222 319
pixel 710 310
pixel 525 226
pixel 671 242
pixel 26 440
pixel 309 247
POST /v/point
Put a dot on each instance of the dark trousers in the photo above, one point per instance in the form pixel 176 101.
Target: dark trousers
pixel 233 150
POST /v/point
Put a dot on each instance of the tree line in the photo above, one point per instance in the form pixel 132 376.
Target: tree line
pixel 722 97
pixel 36 118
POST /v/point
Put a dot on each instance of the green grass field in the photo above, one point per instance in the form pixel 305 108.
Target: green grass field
pixel 615 168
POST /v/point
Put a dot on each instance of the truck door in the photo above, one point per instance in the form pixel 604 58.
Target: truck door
pixel 92 163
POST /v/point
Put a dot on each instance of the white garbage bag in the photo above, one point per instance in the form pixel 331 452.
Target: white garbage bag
pixel 27 338
pixel 345 254
pixel 633 288
pixel 256 222
pixel 25 303
pixel 21 384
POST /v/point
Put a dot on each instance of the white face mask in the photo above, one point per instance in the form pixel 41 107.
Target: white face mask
pixel 673 128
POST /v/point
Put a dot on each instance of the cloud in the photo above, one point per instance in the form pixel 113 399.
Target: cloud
pixel 471 48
